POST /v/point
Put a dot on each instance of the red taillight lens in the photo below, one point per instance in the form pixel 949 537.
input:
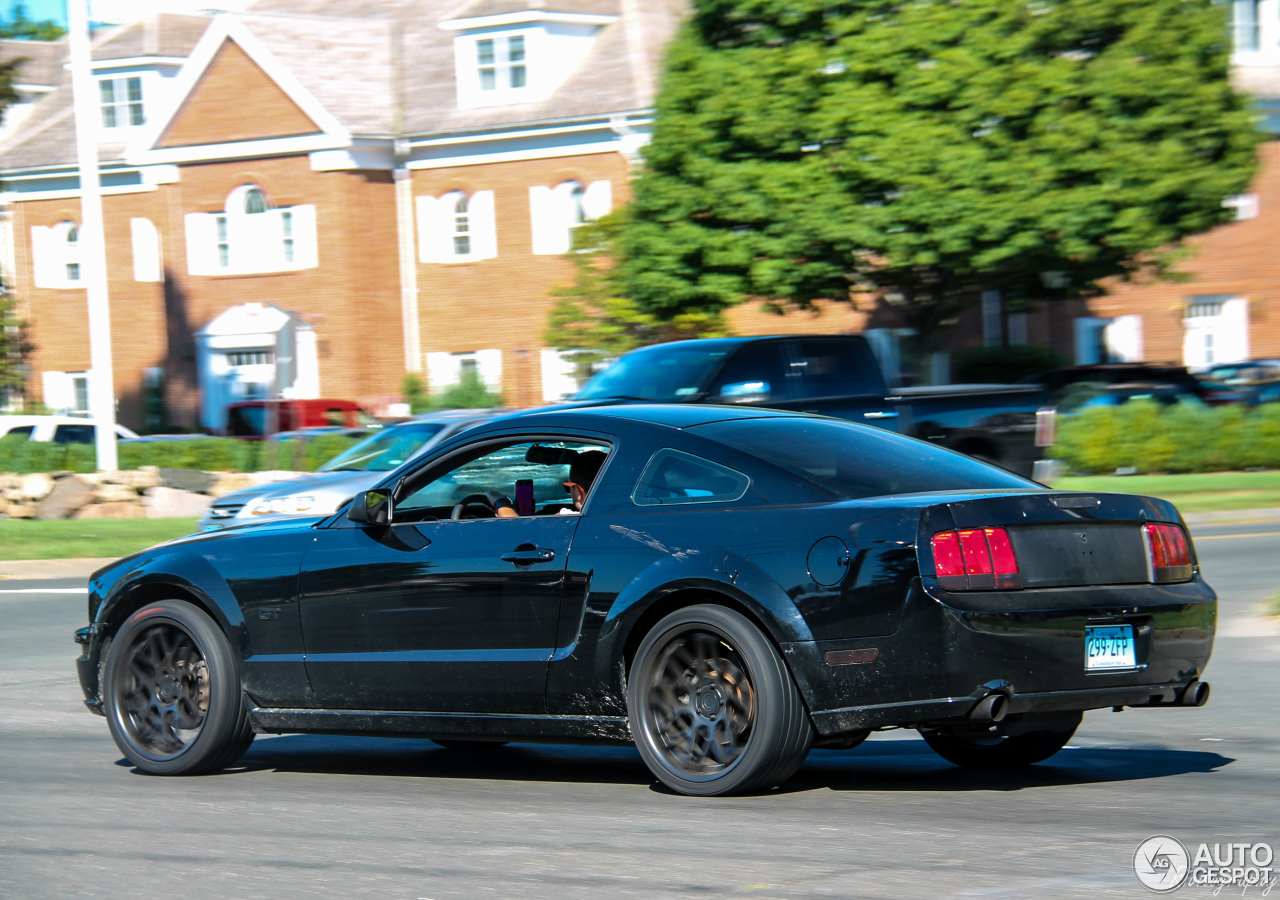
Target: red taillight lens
pixel 974 559
pixel 1168 552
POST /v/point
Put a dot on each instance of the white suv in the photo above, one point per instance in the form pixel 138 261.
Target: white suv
pixel 60 429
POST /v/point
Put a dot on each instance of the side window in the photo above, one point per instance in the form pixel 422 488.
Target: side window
pixel 836 369
pixel 73 434
pixel 548 464
pixel 673 477
pixel 756 374
pixel 23 431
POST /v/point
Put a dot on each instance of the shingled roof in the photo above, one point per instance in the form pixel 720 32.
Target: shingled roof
pixel 379 69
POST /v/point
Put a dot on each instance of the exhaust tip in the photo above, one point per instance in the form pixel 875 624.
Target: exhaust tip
pixel 991 708
pixel 1196 694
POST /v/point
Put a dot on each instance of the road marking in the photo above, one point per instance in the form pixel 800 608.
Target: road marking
pixel 83 590
pixel 1219 537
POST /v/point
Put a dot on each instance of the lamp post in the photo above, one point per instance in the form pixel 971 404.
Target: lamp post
pixel 93 254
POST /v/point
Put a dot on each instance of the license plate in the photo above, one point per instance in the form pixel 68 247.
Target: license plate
pixel 1108 647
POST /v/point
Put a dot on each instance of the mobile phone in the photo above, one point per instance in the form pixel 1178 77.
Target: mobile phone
pixel 524 497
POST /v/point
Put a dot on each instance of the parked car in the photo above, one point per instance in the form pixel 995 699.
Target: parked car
pixel 724 587
pixel 1251 371
pixel 832 375
pixel 338 480
pixel 1085 396
pixel 1062 381
pixel 255 419
pixel 59 429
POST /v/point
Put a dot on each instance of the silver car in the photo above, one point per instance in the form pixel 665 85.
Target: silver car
pixel 355 469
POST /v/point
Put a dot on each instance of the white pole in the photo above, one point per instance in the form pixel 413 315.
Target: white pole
pixel 93 253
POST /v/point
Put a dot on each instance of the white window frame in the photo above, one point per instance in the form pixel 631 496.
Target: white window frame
pixel 556 211
pixel 1255 32
pixel 251 236
pixel 506 65
pixel 1216 331
pixel 121 108
pixel 440 221
pixel 474 89
pixel 55 256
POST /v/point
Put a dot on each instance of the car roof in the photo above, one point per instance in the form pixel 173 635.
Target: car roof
pixel 673 415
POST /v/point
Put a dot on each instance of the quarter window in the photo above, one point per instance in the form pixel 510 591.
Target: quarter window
pixel 121 102
pixel 675 477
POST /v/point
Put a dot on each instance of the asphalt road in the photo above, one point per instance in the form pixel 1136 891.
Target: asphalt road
pixel 308 816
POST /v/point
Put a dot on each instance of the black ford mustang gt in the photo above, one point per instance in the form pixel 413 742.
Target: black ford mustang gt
pixel 738 586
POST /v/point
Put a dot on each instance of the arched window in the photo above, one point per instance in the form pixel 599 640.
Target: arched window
pixel 577 204
pixel 250 235
pixel 461 226
pixel 72 251
pixel 255 201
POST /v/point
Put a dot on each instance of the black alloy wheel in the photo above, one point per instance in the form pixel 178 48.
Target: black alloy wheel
pixel 172 692
pixel 988 751
pixel 713 708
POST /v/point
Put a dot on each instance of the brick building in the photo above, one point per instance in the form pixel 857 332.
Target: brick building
pixel 381 192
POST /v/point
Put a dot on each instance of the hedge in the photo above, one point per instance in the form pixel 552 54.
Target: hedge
pixel 22 456
pixel 1146 437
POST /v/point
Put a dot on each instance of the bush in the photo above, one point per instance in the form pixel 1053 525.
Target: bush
pixel 210 454
pixel 1146 437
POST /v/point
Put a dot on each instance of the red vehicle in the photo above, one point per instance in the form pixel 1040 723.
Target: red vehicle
pixel 255 419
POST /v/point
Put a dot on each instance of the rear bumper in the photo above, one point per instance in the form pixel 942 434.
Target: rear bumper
pixel 942 660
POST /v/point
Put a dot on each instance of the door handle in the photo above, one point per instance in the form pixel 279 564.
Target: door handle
pixel 527 556
pixel 880 415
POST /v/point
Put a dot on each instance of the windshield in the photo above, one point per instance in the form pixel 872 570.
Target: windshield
pixel 665 373
pixel 854 461
pixel 383 451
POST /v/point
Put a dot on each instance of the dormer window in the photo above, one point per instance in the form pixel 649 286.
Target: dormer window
pixel 520 56
pixel 500 63
pixel 121 101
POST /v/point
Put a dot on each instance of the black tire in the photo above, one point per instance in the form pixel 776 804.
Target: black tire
pixel 712 706
pixel 468 745
pixel 991 752
pixel 172 692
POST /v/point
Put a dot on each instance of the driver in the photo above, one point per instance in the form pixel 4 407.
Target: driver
pixel 582 473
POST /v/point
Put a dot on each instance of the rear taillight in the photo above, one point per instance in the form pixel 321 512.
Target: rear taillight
pixel 975 559
pixel 1168 552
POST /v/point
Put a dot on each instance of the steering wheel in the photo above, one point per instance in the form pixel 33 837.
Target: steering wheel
pixel 481 499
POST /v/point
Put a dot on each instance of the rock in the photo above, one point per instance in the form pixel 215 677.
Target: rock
pixel 35 487
pixel 127 510
pixel 231 481
pixel 167 503
pixel 115 493
pixel 68 495
pixel 21 511
pixel 188 480
pixel 141 479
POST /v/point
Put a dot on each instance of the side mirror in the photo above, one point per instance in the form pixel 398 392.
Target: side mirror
pixel 371 508
pixel 745 392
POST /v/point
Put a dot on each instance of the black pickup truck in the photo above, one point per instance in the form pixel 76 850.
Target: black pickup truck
pixel 832 375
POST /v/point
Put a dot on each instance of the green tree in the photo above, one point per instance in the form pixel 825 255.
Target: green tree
pixel 15 348
pixel 24 29
pixel 927 151
pixel 597 320
pixel 469 392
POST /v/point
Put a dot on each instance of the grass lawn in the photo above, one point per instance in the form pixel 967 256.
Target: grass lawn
pixel 1190 493
pixel 65 539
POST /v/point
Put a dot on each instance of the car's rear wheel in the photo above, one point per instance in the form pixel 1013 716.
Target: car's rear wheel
pixel 991 752
pixel 712 706
pixel 172 692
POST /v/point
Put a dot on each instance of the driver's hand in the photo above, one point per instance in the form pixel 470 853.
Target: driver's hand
pixel 502 507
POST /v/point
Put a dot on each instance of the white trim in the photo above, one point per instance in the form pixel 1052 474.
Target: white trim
pixel 222 29
pixel 526 17
pixel 165 174
pixel 645 118
pixel 99 64
pixel 288 146
pixel 73 193
pixel 380 156
pixel 23 87
pixel 517 155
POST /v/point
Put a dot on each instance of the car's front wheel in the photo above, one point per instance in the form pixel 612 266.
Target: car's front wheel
pixel 172 692
pixel 713 708
pixel 992 752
